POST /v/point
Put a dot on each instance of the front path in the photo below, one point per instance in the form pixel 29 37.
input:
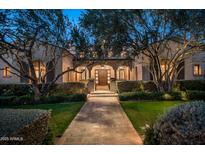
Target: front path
pixel 101 121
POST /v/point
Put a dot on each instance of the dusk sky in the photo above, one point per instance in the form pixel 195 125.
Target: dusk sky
pixel 73 14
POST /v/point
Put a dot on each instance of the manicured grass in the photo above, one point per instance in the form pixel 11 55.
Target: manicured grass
pixel 146 112
pixel 62 114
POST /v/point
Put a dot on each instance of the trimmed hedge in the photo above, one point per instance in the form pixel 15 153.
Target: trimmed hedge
pixel 151 96
pixel 68 88
pixel 20 126
pixel 130 86
pixel 14 100
pixel 15 89
pixel 184 124
pixel 192 85
pixel 24 89
pixel 196 95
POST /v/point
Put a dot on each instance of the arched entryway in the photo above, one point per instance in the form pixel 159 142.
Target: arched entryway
pixel 102 75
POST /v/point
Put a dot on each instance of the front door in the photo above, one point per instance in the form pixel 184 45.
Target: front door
pixel 102 77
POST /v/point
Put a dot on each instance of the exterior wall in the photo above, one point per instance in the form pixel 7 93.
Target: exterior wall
pixel 140 62
pixel 8 80
pixel 198 58
pixel 65 63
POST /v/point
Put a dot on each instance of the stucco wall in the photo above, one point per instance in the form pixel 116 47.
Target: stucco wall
pixel 198 58
pixel 8 80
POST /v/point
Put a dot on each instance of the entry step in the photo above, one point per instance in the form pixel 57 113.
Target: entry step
pixel 102 94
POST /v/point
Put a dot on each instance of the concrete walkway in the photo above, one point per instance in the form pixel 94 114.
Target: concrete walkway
pixel 101 121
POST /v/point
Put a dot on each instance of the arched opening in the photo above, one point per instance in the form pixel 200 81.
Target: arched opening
pixel 123 73
pixel 102 75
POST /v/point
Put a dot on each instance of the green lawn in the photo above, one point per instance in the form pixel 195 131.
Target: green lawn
pixel 146 112
pixel 62 114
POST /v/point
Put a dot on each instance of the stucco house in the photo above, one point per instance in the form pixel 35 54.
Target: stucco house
pixel 103 72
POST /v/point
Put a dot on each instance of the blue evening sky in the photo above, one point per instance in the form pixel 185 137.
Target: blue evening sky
pixel 73 14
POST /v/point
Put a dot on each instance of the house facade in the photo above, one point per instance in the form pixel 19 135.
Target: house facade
pixel 103 72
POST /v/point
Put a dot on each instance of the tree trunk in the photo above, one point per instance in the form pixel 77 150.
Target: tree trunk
pixel 37 92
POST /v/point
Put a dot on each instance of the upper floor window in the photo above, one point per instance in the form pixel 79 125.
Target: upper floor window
pixel 7 72
pixel 95 54
pixel 197 69
pixel 123 54
pixel 110 54
pixel 82 54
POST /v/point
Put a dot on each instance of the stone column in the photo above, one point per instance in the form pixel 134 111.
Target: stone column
pixel 115 73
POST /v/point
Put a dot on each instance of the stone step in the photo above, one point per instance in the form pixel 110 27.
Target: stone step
pixel 102 92
pixel 103 95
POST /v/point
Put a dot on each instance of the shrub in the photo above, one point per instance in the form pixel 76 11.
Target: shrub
pixel 196 95
pixel 128 86
pixel 68 88
pixel 27 99
pixel 49 138
pixel 175 95
pixel 150 136
pixel 184 124
pixel 76 97
pixel 15 89
pixel 192 85
pixel 20 126
pixel 149 86
pixel 140 96
pixel 150 96
pixel 7 100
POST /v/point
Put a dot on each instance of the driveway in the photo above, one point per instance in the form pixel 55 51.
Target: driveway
pixel 101 121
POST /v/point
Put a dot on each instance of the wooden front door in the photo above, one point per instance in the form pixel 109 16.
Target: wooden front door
pixel 102 77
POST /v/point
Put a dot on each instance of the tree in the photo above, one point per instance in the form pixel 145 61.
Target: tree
pixel 29 34
pixel 164 37
pixel 22 32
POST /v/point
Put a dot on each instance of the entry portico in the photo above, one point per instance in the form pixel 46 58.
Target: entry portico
pixel 103 72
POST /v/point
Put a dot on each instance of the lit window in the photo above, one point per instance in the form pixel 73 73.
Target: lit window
pixel 164 68
pixel 121 74
pixel 197 69
pixel 68 74
pixel 7 72
pixel 95 55
pixel 110 54
pixel 40 69
pixel 83 74
pixel 123 54
pixel 82 54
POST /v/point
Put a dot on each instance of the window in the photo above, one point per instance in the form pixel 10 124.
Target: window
pixel 121 74
pixel 110 54
pixel 165 65
pixel 82 54
pixel 68 74
pixel 7 72
pixel 123 54
pixel 197 69
pixel 95 54
pixel 40 69
pixel 83 74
